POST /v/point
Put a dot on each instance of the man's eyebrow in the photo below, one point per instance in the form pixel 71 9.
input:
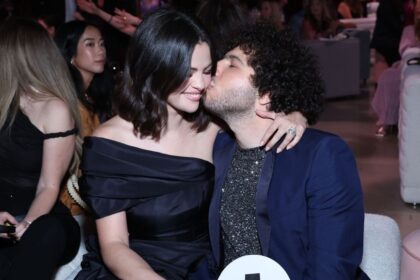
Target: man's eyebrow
pixel 234 57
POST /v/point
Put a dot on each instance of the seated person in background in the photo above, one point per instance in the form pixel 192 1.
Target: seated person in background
pixel 272 11
pixel 386 101
pixel 83 48
pixel 391 18
pixel 350 9
pixel 319 20
pixel 302 207
pixel 39 120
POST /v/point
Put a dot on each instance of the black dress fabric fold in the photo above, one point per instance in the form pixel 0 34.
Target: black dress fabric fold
pixel 166 200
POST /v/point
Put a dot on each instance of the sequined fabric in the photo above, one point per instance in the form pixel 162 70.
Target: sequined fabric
pixel 238 222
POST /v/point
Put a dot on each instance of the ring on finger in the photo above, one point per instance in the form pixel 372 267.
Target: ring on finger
pixel 292 131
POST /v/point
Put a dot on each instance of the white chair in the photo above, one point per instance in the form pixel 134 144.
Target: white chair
pixel 408 129
pixel 381 248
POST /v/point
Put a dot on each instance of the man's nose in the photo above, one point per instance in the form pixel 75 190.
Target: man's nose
pixel 219 67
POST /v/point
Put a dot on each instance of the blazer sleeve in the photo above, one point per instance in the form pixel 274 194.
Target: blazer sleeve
pixel 335 213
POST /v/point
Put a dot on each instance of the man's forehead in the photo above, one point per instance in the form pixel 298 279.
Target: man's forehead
pixel 238 53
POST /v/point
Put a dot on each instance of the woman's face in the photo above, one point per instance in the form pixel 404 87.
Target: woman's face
pixel 90 57
pixel 265 10
pixel 316 8
pixel 188 96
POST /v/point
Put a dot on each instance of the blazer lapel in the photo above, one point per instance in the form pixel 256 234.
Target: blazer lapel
pixel 263 221
pixel 222 159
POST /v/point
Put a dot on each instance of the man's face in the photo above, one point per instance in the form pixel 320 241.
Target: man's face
pixel 231 92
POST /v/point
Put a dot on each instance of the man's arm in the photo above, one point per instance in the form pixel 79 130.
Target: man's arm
pixel 335 213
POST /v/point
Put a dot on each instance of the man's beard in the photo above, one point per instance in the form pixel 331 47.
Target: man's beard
pixel 233 104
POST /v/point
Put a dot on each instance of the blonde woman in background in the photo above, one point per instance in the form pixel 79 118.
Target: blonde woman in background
pixel 39 123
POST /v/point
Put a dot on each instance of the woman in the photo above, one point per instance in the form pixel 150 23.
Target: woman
pixel 39 121
pixel 319 20
pixel 386 101
pixel 83 48
pixel 391 18
pixel 272 11
pixel 147 173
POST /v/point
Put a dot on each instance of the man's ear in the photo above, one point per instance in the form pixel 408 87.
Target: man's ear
pixel 264 99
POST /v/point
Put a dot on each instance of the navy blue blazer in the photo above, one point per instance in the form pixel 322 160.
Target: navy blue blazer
pixel 309 207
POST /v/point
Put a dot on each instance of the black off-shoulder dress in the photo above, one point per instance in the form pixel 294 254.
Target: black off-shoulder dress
pixel 166 199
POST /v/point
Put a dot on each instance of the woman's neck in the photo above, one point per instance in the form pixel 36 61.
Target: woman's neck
pixel 176 122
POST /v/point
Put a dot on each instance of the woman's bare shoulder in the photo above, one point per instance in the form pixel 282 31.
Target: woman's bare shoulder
pixel 56 115
pixel 115 128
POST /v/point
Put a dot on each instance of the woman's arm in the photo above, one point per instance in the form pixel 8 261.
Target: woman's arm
pixel 115 21
pixel 56 157
pixel 279 128
pixel 116 253
pixel 127 17
pixel 344 10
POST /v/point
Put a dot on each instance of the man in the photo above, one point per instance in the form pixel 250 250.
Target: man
pixel 302 207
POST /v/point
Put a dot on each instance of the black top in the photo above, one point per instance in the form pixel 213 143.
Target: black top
pixel 388 29
pixel 165 197
pixel 21 148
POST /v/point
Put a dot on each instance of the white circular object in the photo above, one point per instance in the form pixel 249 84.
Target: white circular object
pixel 253 267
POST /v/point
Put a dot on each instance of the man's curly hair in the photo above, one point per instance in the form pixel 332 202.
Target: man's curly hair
pixel 284 69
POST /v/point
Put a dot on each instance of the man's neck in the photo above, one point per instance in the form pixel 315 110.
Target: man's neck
pixel 249 131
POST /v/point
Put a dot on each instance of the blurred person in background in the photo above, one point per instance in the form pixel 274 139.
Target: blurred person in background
pixel 319 20
pixel 272 11
pixel 83 48
pixel 391 17
pixel 39 123
pixel 386 101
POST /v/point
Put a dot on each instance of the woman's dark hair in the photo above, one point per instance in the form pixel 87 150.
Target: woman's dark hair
pixel 102 85
pixel 284 69
pixel 223 19
pixel 158 62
